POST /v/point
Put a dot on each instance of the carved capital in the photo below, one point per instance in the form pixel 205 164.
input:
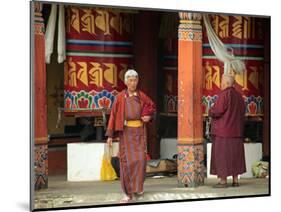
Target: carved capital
pixel 190 27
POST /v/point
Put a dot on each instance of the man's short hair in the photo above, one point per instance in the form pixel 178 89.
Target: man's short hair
pixel 130 73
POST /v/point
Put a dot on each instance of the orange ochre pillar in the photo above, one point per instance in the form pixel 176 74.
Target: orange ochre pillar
pixel 40 102
pixel 191 170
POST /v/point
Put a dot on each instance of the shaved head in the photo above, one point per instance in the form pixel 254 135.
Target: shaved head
pixel 227 81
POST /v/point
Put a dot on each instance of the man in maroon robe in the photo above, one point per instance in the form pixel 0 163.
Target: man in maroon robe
pixel 227 130
pixel 130 112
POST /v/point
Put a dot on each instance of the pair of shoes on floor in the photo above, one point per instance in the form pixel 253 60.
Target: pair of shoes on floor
pixel 220 185
pixel 126 199
pixel 235 184
pixel 224 185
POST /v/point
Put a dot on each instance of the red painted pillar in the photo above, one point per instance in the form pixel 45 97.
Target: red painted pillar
pixel 190 119
pixel 40 102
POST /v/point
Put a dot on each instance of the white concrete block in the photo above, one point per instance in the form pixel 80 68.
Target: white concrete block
pixel 209 148
pixel 253 153
pixel 84 160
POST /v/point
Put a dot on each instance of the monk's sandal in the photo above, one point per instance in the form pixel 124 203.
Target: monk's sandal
pixel 220 185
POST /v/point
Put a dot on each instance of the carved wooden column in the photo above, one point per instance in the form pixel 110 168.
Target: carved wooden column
pixel 40 102
pixel 190 120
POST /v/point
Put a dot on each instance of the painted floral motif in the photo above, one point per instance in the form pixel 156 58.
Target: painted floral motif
pixel 104 102
pixel 83 100
pixel 207 102
pixel 252 108
pixel 104 99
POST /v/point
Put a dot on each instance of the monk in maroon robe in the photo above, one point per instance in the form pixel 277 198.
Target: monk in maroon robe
pixel 227 130
pixel 130 112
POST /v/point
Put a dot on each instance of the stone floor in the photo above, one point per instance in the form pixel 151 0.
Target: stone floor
pixel 62 193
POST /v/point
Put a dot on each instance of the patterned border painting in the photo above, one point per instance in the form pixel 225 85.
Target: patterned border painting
pixel 191 165
pixel 41 166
